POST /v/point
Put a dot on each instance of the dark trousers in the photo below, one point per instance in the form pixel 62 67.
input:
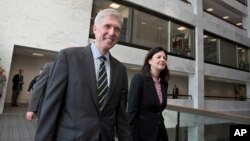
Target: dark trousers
pixel 162 134
pixel 15 95
pixel 100 138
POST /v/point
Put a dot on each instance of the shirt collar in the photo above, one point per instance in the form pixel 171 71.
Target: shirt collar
pixel 155 79
pixel 96 53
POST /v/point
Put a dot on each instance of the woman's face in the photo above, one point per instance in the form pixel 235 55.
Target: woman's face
pixel 158 61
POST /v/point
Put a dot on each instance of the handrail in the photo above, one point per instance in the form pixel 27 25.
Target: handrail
pixel 227 97
pixel 181 95
pixel 203 112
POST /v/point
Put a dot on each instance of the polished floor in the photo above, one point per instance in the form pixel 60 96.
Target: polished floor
pixel 14 126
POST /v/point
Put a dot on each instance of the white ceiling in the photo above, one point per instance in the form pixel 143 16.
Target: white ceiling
pixel 27 51
pixel 222 9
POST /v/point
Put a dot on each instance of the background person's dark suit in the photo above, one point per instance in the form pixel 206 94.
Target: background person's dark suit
pixel 175 92
pixel 32 83
pixel 145 110
pixel 70 109
pixel 17 87
pixel 39 90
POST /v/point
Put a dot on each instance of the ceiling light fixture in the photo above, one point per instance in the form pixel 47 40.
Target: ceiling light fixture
pixel 225 17
pixel 205 36
pixel 114 5
pixel 238 24
pixel 37 54
pixel 210 9
pixel 181 28
pixel 213 40
pixel 160 28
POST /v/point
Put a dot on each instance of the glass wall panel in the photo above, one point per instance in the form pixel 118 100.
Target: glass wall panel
pixel 211 49
pixel 149 31
pixel 217 126
pixel 102 4
pixel 243 58
pixel 182 39
pixel 228 53
pixel 216 132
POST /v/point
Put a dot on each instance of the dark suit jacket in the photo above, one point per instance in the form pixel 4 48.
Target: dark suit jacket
pixel 70 109
pixel 39 88
pixel 175 92
pixel 145 110
pixel 16 79
pixel 32 83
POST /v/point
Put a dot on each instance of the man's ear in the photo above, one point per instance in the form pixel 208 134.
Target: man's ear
pixel 94 28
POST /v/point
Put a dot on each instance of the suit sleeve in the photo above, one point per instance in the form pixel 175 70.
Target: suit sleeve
pixel 32 82
pixel 133 101
pixel 47 125
pixel 122 126
pixel 39 89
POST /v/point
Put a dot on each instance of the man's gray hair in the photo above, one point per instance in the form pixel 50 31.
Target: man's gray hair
pixel 108 12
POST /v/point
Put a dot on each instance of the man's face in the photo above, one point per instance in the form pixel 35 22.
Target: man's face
pixel 21 71
pixel 107 33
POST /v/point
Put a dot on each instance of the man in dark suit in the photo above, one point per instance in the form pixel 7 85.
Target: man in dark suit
pixel 33 81
pixel 175 92
pixel 17 87
pixel 38 93
pixel 75 106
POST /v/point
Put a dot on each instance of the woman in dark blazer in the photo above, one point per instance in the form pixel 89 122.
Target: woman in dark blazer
pixel 148 98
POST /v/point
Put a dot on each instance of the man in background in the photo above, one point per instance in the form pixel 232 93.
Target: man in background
pixel 17 87
pixel 38 93
pixel 33 81
pixel 175 92
pixel 2 80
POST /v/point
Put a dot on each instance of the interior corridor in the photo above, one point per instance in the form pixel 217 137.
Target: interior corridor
pixel 14 126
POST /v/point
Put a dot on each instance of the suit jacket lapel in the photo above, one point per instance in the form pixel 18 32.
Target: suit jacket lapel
pixel 88 62
pixel 164 93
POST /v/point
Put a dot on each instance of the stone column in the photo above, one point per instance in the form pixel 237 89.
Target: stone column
pixel 196 80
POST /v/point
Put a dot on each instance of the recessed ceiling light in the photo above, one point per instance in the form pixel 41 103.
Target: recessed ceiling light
pixel 143 23
pixel 225 17
pixel 210 9
pixel 37 54
pixel 213 40
pixel 205 36
pixel 114 5
pixel 160 28
pixel 181 28
pixel 239 24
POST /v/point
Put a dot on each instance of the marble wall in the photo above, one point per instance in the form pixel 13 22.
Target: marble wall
pixel 50 25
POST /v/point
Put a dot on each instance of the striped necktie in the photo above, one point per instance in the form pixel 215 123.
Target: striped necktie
pixel 102 85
